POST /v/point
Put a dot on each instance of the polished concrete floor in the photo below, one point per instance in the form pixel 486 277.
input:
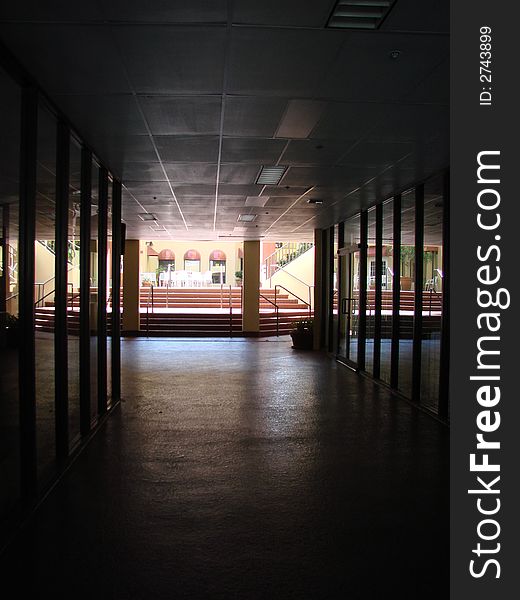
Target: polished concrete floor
pixel 244 469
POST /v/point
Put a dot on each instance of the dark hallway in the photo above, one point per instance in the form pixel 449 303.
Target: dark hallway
pixel 243 469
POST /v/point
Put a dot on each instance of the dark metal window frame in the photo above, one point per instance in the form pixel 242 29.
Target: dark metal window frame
pixel 32 97
pixel 443 399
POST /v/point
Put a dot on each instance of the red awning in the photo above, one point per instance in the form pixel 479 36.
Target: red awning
pixel 217 255
pixel 191 255
pixel 151 252
pixel 166 254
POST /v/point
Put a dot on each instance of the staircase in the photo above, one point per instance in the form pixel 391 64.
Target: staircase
pixel 205 312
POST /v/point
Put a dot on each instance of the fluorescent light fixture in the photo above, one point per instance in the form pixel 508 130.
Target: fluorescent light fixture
pixel 246 218
pixel 359 14
pixel 147 216
pixel 271 175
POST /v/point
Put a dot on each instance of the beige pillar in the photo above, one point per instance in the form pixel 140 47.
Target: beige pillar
pixel 318 286
pixel 251 288
pixel 131 288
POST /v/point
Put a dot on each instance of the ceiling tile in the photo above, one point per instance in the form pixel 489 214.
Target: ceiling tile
pixel 187 149
pixel 182 115
pixel 180 60
pixel 90 64
pixel 251 150
pixel 252 116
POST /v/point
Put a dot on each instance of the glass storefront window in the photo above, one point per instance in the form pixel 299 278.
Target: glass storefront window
pixel 73 289
pixel 432 293
pixel 9 290
pixel 387 290
pixel 45 284
pixel 371 291
pixel 406 303
pixel 93 298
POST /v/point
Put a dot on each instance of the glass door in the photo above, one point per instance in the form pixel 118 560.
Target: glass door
pixel 349 262
pixel 349 306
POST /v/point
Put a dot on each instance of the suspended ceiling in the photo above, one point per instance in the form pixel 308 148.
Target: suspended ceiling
pixel 186 100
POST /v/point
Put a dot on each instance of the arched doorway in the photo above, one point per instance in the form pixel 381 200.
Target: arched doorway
pixel 166 266
pixel 192 261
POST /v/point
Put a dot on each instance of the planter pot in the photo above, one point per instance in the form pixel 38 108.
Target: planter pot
pixel 406 283
pixel 302 340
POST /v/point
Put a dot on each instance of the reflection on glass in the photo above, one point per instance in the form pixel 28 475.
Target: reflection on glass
pixel 349 292
pixel 73 282
pixel 386 294
pixel 9 280
pixel 407 307
pixel 109 296
pixel 371 290
pixel 432 293
pixel 45 284
pixel 335 291
pixel 94 292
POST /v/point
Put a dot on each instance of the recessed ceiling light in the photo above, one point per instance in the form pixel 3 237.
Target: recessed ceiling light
pixel 271 175
pixel 147 216
pixel 246 218
pixel 359 14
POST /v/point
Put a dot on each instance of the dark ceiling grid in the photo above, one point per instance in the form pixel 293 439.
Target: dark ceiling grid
pixel 223 106
pixel 172 55
pixel 151 137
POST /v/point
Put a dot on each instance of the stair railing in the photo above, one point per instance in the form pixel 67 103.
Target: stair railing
pixel 283 256
pixel 39 300
pixel 292 294
pixel 276 312
pixel 150 295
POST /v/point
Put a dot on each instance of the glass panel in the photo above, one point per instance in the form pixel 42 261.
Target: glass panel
pixel 218 271
pixel 387 281
pixel 9 280
pixel 109 296
pixel 73 279
pixel 94 292
pixel 335 291
pixel 406 312
pixel 432 293
pixel 349 293
pixel 44 292
pixel 371 287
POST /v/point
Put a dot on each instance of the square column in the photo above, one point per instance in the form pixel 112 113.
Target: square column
pixel 131 290
pixel 251 288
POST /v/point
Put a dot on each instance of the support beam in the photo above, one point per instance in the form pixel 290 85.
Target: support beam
pixel 131 288
pixel 251 288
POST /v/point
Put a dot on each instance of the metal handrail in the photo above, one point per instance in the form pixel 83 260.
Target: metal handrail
pixel 299 248
pixel 52 292
pixel 150 291
pixel 276 312
pixel 292 294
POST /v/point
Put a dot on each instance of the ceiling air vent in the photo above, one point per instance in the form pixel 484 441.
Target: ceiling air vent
pixel 359 14
pixel 246 218
pixel 270 175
